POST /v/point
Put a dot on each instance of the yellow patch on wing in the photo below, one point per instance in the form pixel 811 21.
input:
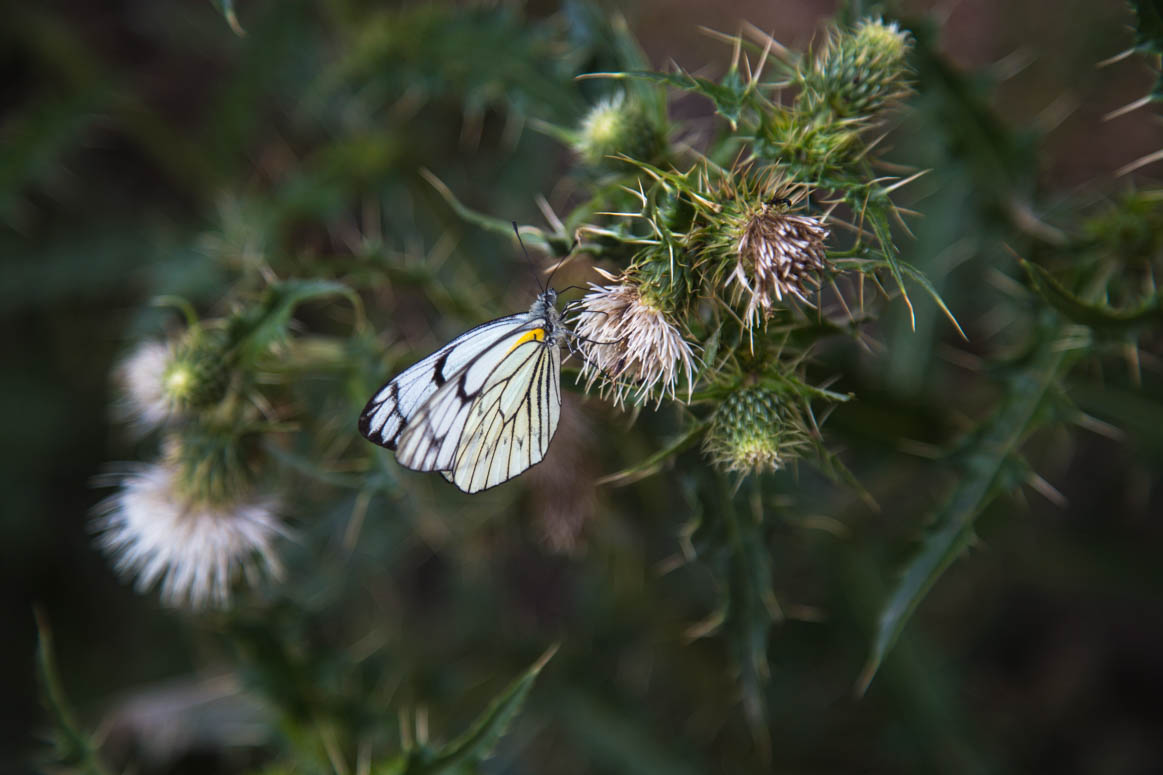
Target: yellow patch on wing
pixel 536 335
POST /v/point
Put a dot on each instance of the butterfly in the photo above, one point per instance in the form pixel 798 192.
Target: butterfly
pixel 482 408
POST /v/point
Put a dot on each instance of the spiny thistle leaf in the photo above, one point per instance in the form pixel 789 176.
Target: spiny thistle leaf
pixel 927 286
pixel 557 244
pixel 478 742
pixel 257 328
pixel 997 441
pixel 651 465
pixel 1099 316
pixel 749 610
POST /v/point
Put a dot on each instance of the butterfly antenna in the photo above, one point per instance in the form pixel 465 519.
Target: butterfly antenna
pixel 528 260
pixel 558 265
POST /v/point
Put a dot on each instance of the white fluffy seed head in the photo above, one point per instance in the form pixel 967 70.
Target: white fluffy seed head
pixel 194 551
pixel 145 402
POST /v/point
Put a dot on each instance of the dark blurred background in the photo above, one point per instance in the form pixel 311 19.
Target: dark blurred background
pixel 127 127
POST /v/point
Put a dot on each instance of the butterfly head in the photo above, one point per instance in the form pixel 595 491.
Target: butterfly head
pixel 545 306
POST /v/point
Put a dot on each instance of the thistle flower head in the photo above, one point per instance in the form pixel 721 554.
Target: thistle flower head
pixel 194 549
pixel 617 126
pixel 860 72
pixel 752 431
pixel 759 247
pixel 628 344
pixel 778 254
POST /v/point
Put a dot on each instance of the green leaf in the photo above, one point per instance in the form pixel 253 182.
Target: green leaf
pixel 479 741
pixel 750 605
pixel 255 329
pixel 711 352
pixel 920 279
pixel 650 465
pixel 557 244
pixel 987 467
pixel 1078 310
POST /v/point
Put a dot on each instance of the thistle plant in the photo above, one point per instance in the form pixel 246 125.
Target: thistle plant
pixel 767 400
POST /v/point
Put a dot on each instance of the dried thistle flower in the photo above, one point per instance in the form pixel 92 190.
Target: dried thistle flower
pixel 752 431
pixel 778 254
pixel 619 126
pixel 628 343
pixel 191 524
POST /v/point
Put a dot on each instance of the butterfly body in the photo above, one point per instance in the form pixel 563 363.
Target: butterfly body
pixel 483 408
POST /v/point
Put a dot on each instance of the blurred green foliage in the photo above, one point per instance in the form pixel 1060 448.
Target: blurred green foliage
pixel 330 184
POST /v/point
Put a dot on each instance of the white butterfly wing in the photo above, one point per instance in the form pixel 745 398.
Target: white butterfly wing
pixel 390 409
pixel 510 424
pixel 448 432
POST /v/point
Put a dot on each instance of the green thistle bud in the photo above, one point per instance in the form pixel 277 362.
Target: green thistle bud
pixel 810 148
pixel 212 466
pixel 198 373
pixel 753 430
pixel 858 74
pixel 663 283
pixel 619 126
pixel 676 212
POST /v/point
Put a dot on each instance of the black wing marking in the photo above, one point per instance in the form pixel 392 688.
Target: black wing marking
pixel 429 438
pixel 511 423
pixel 389 410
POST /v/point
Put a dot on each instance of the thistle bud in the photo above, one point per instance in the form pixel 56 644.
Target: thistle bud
pixel 858 74
pixel 198 372
pixel 619 126
pixel 195 550
pixel 753 430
